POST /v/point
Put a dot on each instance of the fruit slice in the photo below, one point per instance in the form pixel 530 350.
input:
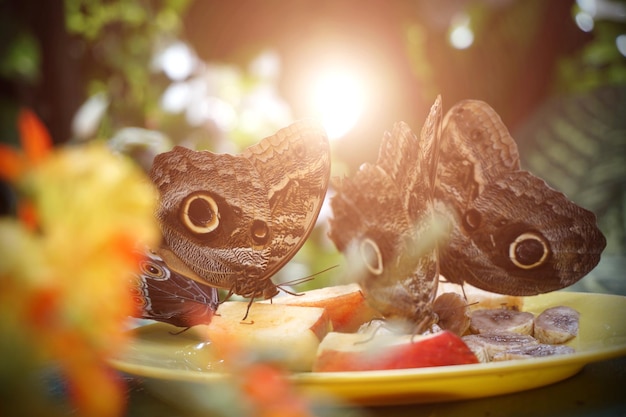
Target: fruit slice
pixel 345 305
pixel 289 335
pixel 479 299
pixel 359 352
pixel 501 320
pixel 556 325
pixel 532 351
pixel 487 346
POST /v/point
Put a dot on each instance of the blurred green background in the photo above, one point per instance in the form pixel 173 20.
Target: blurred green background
pixel 220 75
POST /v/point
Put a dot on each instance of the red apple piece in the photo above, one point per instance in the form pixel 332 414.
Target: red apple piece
pixel 361 352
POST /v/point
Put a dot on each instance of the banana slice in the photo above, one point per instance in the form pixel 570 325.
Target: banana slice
pixel 532 351
pixel 556 325
pixel 501 320
pixel 486 346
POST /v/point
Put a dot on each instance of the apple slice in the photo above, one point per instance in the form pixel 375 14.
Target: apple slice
pixel 364 352
pixel 286 334
pixel 345 304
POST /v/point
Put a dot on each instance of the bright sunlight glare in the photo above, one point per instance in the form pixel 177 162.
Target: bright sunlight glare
pixel 461 35
pixel 338 98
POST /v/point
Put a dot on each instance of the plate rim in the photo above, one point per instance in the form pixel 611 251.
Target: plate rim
pixel 412 374
pixel 441 371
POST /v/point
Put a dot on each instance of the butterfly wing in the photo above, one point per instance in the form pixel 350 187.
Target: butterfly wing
pixel 212 209
pixel 294 165
pixel 164 295
pixel 234 220
pixel 524 238
pixel 476 149
pixel 512 233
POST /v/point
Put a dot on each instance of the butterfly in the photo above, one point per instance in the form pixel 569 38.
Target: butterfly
pixel 384 220
pixel 513 234
pixel 164 295
pixel 232 221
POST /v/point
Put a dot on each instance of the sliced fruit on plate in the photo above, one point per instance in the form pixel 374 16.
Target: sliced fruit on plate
pixel 477 298
pixel 488 345
pixel 501 320
pixel 345 304
pixel 556 325
pixel 366 352
pixel 533 351
pixel 286 334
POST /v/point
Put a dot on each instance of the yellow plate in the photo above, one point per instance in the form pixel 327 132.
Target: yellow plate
pixel 170 368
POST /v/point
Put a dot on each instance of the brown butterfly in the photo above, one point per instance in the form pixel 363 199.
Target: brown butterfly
pixel 232 221
pixel 384 221
pixel 164 295
pixel 512 233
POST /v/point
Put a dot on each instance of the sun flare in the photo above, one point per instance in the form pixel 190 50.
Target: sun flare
pixel 338 99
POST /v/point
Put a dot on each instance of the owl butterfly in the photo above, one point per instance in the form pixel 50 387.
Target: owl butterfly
pixel 384 221
pixel 512 233
pixel 232 221
pixel 164 295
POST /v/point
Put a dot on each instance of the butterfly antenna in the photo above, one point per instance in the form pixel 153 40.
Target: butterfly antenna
pixel 302 280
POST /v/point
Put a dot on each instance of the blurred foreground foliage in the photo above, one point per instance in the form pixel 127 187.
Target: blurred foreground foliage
pixel 65 259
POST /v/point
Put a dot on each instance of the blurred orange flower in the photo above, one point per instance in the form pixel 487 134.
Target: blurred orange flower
pixel 36 145
pixel 270 392
pixel 65 260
